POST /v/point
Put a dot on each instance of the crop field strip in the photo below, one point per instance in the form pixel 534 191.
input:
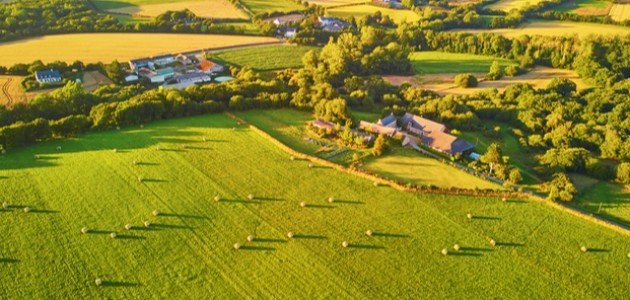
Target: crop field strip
pixel 187 251
pixel 620 12
pixel 551 28
pixel 397 15
pixel 215 9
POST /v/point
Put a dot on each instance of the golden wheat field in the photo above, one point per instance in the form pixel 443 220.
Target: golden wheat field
pixel 151 8
pixel 397 15
pixel 557 28
pixel 507 5
pixel 620 12
pixel 11 92
pixel 106 47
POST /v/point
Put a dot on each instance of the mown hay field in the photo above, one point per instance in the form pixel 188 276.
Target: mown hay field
pixel 558 28
pixel 432 62
pixel 187 250
pixel 269 6
pixel 507 5
pixel 397 15
pixel 266 58
pixel 331 3
pixel 11 92
pixel 217 9
pixel 106 47
pixel 620 12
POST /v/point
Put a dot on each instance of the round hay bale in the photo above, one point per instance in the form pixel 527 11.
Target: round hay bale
pixel 628 254
pixel 376 183
pixel 469 216
pixel 140 179
pixel 493 242
pixel 98 281
pixel 156 212
pixel 58 148
pixel 113 235
pixel 27 210
pixel 345 244
pixel 5 205
pixel 250 238
pixel 331 199
pixel 237 246
pixel 234 128
pixel 135 162
pixel 115 150
pixel 128 226
pixel 444 251
pixel 250 197
pixel 37 156
pixel 310 166
pixel 85 230
pixel 369 232
pixel 303 204
pixel 217 198
pixel 204 139
pixel 147 224
pixel 583 249
pixel 504 199
pixel 158 148
pixel 456 247
pixel 290 234
pixel 292 157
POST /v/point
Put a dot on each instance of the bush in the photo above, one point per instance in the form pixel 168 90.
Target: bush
pixel 623 173
pixel 466 80
pixel 513 70
pixel 496 72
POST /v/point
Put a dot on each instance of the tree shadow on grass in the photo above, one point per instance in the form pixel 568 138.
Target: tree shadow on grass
pixel 309 237
pixel 9 261
pixel 269 240
pixel 257 248
pixel 510 244
pixel 170 226
pixel 488 218
pixel 112 283
pixel 390 235
pixel 366 246
pixel 184 216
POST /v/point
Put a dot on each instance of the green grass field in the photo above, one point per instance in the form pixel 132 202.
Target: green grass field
pixel 187 252
pixel 586 7
pixel 267 58
pixel 268 6
pixel 602 198
pixel 434 62
pixel 407 165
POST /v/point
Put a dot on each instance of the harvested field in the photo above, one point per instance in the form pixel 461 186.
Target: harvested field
pixel 507 5
pixel 93 79
pixel 11 92
pixel 106 47
pixel 218 9
pixel 444 84
pixel 435 62
pixel 397 15
pixel 620 12
pixel 268 6
pixel 334 3
pixel 557 28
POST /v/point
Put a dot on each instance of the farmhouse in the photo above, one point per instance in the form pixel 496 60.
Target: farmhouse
pixel 433 134
pixel 137 64
pixel 48 76
pixel 377 128
pixel 210 67
pixel 389 121
pixel 331 24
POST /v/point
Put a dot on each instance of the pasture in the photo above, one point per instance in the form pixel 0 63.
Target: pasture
pixel 397 15
pixel 216 9
pixel 587 7
pixel 332 3
pixel 602 198
pixel 107 47
pixel 269 6
pixel 409 166
pixel 620 12
pixel 433 62
pixel 507 5
pixel 557 28
pixel 186 249
pixel 266 58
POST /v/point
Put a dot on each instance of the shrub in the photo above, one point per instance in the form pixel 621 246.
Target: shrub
pixel 493 242
pixel 466 80
pixel 217 198
pixel 513 70
pixel 496 72
pixel 623 173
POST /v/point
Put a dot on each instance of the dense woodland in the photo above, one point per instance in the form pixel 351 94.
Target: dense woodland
pixel 565 130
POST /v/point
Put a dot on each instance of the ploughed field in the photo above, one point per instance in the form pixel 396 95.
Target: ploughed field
pixel 187 249
pixel 106 47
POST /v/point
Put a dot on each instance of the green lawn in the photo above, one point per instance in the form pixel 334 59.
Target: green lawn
pixel 602 198
pixel 586 6
pixel 187 252
pixel 269 6
pixel 407 165
pixel 433 62
pixel 266 58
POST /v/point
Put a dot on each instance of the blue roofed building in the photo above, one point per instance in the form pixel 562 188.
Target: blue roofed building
pixel 48 76
pixel 389 121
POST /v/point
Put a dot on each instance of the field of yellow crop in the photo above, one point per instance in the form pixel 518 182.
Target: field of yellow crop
pixel 507 5
pixel 11 92
pixel 106 47
pixel 620 12
pixel 332 3
pixel 398 15
pixel 150 8
pixel 558 28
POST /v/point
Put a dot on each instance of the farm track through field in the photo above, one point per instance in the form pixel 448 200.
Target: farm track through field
pixel 5 91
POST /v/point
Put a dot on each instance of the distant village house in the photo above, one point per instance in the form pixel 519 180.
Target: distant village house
pixel 331 24
pixel 48 76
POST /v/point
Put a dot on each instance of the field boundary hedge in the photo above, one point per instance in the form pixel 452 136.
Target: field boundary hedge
pixel 432 190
